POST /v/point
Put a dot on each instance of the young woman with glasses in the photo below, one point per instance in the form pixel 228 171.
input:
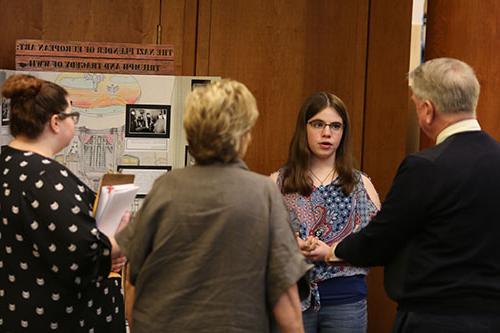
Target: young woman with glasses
pixel 54 262
pixel 327 199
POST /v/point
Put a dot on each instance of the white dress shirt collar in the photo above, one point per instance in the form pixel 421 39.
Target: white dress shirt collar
pixel 467 125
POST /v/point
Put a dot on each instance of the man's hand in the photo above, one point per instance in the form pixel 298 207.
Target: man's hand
pixel 330 257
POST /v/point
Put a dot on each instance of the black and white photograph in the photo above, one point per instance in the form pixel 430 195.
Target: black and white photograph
pixel 188 158
pixel 5 112
pixel 147 121
pixel 199 83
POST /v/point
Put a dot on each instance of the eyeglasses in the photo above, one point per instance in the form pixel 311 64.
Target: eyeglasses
pixel 74 115
pixel 320 125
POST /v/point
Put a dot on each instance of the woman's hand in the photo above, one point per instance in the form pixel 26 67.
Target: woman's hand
pixel 124 221
pixel 118 260
pixel 313 248
pixel 118 263
pixel 307 245
pixel 320 251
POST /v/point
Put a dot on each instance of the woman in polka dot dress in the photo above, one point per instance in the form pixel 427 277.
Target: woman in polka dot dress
pixel 328 199
pixel 54 262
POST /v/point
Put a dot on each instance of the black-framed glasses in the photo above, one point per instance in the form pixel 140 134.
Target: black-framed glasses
pixel 320 125
pixel 74 115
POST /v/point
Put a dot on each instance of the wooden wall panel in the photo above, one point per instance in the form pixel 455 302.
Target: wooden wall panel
pixel 19 19
pixel 284 51
pixel 121 21
pixel 386 110
pixel 470 31
pixel 179 28
pixel 386 122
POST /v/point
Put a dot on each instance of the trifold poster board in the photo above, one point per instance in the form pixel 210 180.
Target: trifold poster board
pixel 125 120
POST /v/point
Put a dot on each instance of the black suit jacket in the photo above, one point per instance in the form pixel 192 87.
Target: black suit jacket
pixel 438 231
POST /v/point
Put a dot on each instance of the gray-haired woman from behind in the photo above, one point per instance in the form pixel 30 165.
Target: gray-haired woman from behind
pixel 211 249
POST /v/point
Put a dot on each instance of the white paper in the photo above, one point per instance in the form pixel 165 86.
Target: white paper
pixel 146 144
pixel 144 177
pixel 114 201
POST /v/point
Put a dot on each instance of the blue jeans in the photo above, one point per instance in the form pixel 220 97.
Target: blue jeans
pixel 344 318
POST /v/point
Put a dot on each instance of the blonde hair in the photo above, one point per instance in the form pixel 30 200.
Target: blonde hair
pixel 449 83
pixel 216 117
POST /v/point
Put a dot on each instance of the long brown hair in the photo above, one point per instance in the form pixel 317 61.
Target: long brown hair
pixel 295 177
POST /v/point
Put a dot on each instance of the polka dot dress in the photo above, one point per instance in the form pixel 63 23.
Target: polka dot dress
pixel 54 262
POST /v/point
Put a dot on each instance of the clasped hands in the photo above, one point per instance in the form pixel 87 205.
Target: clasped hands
pixel 317 250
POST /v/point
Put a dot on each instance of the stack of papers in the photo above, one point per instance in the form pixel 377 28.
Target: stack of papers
pixel 113 202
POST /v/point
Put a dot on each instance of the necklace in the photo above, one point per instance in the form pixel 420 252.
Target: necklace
pixel 322 182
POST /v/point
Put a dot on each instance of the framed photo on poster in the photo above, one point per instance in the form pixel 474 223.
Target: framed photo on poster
pixel 199 83
pixel 188 158
pixel 145 175
pixel 147 121
pixel 5 120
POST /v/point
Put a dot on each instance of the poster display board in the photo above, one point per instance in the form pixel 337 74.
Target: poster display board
pixel 105 137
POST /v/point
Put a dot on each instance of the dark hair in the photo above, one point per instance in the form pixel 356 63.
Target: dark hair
pixel 32 102
pixel 295 178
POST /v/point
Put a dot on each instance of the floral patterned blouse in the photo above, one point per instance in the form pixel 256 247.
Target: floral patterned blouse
pixel 331 215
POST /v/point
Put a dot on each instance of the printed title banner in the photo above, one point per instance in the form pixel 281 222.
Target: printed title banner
pixel 125 58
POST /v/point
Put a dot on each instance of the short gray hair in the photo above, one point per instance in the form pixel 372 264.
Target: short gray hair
pixel 450 84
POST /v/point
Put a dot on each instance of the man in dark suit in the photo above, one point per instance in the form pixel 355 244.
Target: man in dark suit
pixel 438 231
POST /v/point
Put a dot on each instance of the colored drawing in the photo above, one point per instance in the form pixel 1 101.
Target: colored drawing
pixel 100 91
